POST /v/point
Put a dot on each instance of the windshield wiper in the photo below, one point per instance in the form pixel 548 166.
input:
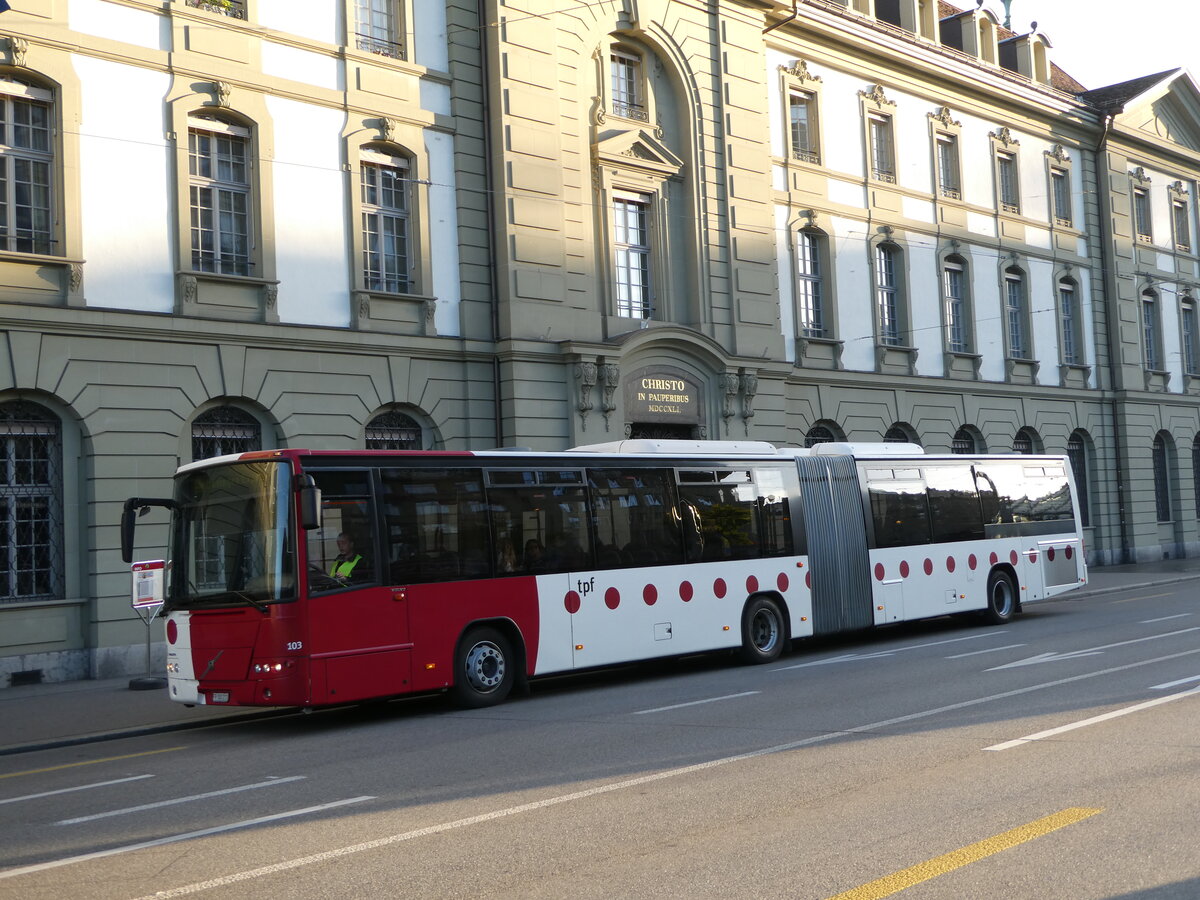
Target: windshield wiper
pixel 257 604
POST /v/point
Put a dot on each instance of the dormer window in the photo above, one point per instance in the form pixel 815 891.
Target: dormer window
pixel 628 99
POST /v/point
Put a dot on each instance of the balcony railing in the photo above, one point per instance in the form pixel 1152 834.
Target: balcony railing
pixel 379 46
pixel 235 9
pixel 808 156
pixel 630 111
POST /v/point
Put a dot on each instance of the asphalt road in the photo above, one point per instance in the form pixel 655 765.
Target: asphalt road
pixel 1056 756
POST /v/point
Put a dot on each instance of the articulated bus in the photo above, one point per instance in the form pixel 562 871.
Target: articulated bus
pixel 471 572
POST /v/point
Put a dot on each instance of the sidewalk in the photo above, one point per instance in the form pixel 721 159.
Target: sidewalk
pixel 42 716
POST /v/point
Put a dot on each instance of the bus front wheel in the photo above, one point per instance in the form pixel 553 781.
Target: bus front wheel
pixel 1001 598
pixel 762 631
pixel 483 669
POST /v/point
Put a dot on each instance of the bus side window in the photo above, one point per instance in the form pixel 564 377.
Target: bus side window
pixel 635 517
pixel 954 509
pixel 900 512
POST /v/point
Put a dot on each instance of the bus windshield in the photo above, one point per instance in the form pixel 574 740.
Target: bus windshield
pixel 232 540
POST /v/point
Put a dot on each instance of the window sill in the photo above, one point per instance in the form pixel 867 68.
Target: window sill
pixel 892 359
pixel 54 281
pixel 1157 380
pixel 1074 375
pixel 819 352
pixel 1021 371
pixel 963 365
pixel 411 314
pixel 237 298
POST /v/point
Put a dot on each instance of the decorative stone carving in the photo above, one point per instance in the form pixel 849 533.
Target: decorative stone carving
pixel 1004 136
pixel 799 70
pixel 270 295
pixel 76 277
pixel 190 289
pixel 749 390
pixel 18 48
pixel 611 375
pixel 1139 175
pixel 388 129
pixel 1059 154
pixel 943 116
pixel 585 381
pixel 877 96
pixel 222 92
pixel 730 384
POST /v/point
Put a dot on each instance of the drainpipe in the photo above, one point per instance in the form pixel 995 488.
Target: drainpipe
pixel 1112 320
pixel 782 22
pixel 493 265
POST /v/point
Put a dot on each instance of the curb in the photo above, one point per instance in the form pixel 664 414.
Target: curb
pixel 1136 586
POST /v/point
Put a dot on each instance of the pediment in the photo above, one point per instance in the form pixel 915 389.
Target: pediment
pixel 1170 111
pixel 636 149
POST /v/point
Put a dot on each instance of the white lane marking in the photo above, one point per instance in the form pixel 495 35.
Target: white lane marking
pixel 1143 597
pixel 177 800
pixel 1171 684
pixel 1090 651
pixel 1164 618
pixel 176 838
pixel 296 863
pixel 81 787
pixel 643 712
pixel 988 650
pixel 881 653
pixel 1116 713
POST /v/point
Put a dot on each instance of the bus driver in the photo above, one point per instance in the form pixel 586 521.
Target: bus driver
pixel 344 565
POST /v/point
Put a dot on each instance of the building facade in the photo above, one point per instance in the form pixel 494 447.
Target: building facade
pixel 238 224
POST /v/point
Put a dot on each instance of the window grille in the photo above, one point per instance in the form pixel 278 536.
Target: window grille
pixel 1162 490
pixel 1077 453
pixel 963 442
pixel 626 72
pixel 31 504
pixel 818 434
pixel 377 28
pixel 1023 442
pixel 393 431
pixel 224 430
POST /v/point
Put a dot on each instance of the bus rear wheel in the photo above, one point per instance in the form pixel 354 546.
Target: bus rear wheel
pixel 483 669
pixel 762 631
pixel 1001 598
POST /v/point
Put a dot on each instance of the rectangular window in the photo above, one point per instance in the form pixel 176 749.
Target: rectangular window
pixel 954 287
pixel 1141 215
pixel 948 182
pixel 1069 318
pixel 1162 489
pixel 1014 309
pixel 1191 357
pixel 631 236
pixel 386 253
pixel 802 126
pixel 1183 228
pixel 886 300
pixel 626 74
pixel 1010 193
pixel 809 295
pixel 900 513
pixel 435 526
pixel 1060 181
pixel 883 158
pixel 634 518
pixel 26 168
pixel 1150 332
pixel 722 507
pixel 377 28
pixel 955 514
pixel 219 168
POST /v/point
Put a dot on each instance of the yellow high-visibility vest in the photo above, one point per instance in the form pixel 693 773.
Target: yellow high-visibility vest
pixel 343 568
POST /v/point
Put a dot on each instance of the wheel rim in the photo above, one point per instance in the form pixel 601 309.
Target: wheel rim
pixel 764 630
pixel 485 667
pixel 1002 597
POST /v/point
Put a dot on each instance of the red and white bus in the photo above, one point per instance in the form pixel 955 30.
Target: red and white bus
pixel 471 572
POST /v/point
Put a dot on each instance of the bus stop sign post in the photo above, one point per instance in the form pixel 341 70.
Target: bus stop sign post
pixel 147 599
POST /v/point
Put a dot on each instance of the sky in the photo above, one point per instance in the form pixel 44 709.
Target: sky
pixel 1102 42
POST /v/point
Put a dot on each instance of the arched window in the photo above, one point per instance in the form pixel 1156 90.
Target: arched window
pixel 27 162
pixel 819 434
pixel 393 430
pixel 810 284
pixel 1027 441
pixel 964 442
pixel 1162 483
pixel 31 503
pixel 224 430
pixel 1069 322
pixel 900 433
pixel 889 300
pixel 1077 448
pixel 1015 314
pixel 1150 336
pixel 1196 473
pixel 956 303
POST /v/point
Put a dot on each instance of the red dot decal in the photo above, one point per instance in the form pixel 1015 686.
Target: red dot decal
pixel 650 594
pixel 719 588
pixel 612 598
pixel 1068 552
pixel 995 559
pixel 928 566
pixel 904 568
pixel 782 581
pixel 1012 557
pixel 751 585
pixel 172 631
pixel 972 562
pixel 949 563
pixel 1050 554
pixel 685 591
pixel 879 572
pixel 1032 556
pixel 808 580
pixel 571 602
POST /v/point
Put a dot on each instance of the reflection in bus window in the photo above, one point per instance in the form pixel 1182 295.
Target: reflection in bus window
pixel 542 515
pixel 900 513
pixel 345 511
pixel 954 511
pixel 1025 494
pixel 635 518
pixel 725 504
pixel 435 523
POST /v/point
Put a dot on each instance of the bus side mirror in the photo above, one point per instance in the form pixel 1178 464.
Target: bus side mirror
pixel 127 515
pixel 310 503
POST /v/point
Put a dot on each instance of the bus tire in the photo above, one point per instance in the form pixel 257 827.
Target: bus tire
pixel 483 668
pixel 762 631
pixel 1001 598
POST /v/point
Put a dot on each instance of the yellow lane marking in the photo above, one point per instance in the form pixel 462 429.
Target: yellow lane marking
pixel 90 762
pixel 956 859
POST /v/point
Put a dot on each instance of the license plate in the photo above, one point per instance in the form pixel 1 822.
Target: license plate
pixel 220 696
